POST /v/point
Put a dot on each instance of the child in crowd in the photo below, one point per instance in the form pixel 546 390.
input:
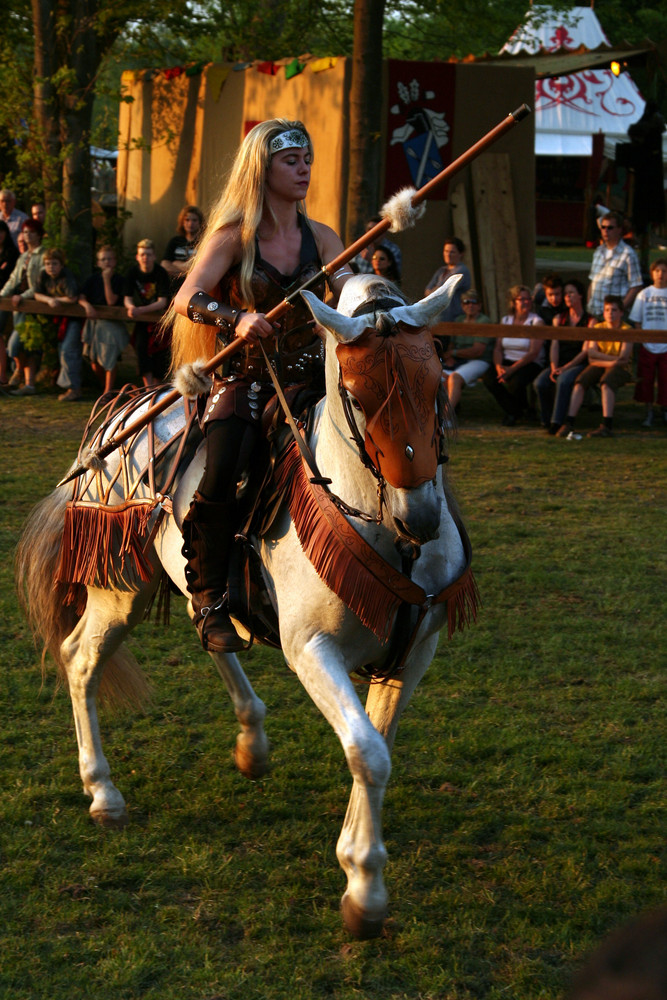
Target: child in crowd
pixel 56 286
pixel 104 340
pixel 548 302
pixel 147 291
pixel 649 310
pixel 608 365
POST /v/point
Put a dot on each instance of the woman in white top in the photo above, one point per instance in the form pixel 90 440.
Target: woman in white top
pixel 517 360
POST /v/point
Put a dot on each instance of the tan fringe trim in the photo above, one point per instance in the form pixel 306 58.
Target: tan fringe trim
pixel 349 566
pixel 334 563
pixel 103 544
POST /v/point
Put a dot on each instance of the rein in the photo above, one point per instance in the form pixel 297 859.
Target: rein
pixel 317 479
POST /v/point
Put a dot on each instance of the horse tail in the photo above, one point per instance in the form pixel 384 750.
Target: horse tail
pixel 51 617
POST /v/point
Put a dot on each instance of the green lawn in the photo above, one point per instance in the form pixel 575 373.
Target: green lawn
pixel 526 811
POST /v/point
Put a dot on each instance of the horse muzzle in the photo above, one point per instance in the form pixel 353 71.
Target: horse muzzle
pixel 416 513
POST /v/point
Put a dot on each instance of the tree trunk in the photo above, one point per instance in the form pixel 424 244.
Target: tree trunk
pixel 47 139
pixel 76 121
pixel 365 134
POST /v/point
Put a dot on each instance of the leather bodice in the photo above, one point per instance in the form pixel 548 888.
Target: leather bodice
pixel 296 347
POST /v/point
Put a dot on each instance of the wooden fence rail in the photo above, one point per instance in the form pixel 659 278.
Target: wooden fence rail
pixel 486 331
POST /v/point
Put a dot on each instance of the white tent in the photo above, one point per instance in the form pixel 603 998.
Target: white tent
pixel 569 110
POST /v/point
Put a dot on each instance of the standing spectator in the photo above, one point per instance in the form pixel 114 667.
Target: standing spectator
pixel 517 361
pixel 38 212
pixel 57 286
pixel 146 290
pixel 10 214
pixel 650 311
pixel 468 357
pixel 452 254
pixel 8 257
pixel 384 264
pixel 615 269
pixel 608 365
pixel 104 340
pixel 566 360
pixel 361 264
pixel 182 247
pixel 21 285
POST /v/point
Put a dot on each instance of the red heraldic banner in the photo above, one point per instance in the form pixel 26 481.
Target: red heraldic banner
pixel 420 124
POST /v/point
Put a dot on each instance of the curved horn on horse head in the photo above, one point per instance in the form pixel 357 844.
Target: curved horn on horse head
pixel 346 329
pixel 425 311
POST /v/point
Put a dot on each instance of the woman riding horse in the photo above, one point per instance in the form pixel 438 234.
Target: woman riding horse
pixel 259 247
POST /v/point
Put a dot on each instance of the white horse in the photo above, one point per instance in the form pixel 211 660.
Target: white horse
pixel 323 641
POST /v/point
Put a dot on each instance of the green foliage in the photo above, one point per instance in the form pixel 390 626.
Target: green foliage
pixel 526 810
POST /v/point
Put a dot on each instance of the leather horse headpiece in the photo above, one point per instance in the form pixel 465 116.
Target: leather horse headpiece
pixel 390 367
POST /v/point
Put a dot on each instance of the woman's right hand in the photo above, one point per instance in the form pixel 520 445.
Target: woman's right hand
pixel 253 326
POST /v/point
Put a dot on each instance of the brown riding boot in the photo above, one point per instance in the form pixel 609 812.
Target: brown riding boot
pixel 207 539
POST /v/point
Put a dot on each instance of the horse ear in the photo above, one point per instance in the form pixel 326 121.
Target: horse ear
pixel 344 328
pixel 424 312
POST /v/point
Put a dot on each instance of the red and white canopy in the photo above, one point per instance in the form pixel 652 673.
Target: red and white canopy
pixel 570 109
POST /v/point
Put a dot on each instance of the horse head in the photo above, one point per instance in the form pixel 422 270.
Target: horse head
pixel 387 374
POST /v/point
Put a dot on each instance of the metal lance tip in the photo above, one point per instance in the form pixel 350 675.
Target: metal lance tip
pixel 521 112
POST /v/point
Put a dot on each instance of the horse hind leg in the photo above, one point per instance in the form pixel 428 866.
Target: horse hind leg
pixel 251 753
pixel 95 643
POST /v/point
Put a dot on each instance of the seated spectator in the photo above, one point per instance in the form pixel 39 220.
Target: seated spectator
pixel 467 358
pixel 608 365
pixel 104 340
pixel 146 290
pixel 10 214
pixel 361 264
pixel 517 361
pixel 452 254
pixel 57 286
pixel 8 257
pixel 182 247
pixel 21 285
pixel 384 264
pixel 566 360
pixel 649 310
pixel 548 302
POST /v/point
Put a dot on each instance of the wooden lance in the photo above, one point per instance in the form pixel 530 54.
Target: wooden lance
pixel 328 269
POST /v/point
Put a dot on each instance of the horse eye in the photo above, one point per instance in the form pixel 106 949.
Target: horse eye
pixel 355 404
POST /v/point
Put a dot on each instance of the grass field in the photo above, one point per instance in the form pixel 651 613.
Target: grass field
pixel 526 811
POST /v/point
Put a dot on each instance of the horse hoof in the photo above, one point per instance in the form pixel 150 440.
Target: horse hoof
pixel 249 765
pixel 109 820
pixel 358 923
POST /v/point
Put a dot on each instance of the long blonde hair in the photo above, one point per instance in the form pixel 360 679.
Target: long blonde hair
pixel 241 205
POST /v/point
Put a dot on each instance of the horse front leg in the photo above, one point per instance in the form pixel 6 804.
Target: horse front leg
pixel 251 753
pixel 360 850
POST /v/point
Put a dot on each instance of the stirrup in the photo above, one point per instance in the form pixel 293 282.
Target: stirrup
pixel 228 640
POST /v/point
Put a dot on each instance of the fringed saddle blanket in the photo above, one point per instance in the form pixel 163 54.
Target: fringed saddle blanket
pixel 108 543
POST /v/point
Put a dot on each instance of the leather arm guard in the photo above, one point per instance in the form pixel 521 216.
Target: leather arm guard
pixel 203 309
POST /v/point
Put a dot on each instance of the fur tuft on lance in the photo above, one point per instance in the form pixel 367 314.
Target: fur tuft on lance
pixel 191 380
pixel 400 210
pixel 93 461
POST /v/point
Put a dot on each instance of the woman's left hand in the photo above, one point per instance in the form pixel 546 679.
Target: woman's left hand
pixel 252 327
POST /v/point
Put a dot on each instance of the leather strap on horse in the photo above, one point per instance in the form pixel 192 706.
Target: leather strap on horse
pixel 372 588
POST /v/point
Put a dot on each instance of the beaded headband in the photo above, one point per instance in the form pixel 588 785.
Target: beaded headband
pixel 293 139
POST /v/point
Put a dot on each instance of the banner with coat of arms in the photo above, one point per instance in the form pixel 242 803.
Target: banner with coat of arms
pixel 420 125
